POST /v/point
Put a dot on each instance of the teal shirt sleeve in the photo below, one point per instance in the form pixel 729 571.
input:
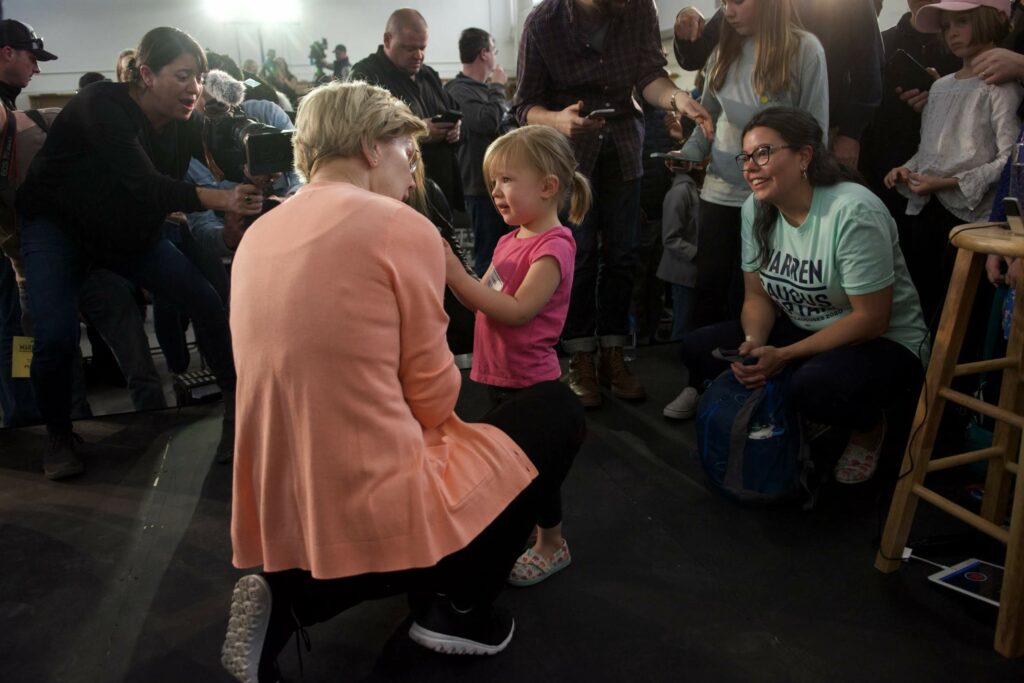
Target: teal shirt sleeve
pixel 864 251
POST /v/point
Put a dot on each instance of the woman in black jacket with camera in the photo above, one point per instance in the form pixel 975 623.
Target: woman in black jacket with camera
pixel 109 175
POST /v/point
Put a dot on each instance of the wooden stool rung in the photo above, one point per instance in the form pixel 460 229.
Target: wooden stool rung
pixel 979 406
pixel 964 458
pixel 963 514
pixel 984 366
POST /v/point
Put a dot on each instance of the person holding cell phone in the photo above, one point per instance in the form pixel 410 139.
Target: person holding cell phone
pixel 968 128
pixel 398 66
pixel 895 131
pixel 826 293
pixel 763 59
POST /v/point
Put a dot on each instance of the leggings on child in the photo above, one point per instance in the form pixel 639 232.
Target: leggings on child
pixel 546 421
pixel 846 387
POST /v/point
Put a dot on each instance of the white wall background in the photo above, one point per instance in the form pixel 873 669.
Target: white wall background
pixel 86 35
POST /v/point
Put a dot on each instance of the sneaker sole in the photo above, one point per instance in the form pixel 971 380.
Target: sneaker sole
pixel 678 414
pixel 247 628
pixel 453 645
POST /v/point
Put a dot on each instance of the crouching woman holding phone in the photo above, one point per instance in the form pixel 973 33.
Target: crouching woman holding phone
pixel 97 194
pixel 826 289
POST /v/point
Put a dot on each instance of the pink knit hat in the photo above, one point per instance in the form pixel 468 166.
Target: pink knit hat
pixel 927 18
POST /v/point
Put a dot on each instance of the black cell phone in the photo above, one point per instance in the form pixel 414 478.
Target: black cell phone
pixel 600 113
pixel 447 117
pixel 1012 208
pixel 733 356
pixel 907 73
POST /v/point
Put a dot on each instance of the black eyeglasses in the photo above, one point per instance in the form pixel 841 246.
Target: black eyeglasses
pixel 760 156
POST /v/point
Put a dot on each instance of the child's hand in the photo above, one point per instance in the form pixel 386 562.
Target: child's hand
pixel 897 176
pixel 994 269
pixel 926 184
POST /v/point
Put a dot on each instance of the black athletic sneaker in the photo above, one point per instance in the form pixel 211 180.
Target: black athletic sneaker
pixel 61 459
pixel 480 631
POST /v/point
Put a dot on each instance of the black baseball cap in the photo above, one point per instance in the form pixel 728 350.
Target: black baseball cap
pixel 21 36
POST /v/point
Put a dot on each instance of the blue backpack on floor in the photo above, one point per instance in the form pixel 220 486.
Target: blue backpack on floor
pixel 750 441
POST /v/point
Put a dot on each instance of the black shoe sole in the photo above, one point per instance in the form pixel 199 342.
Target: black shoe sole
pixel 66 471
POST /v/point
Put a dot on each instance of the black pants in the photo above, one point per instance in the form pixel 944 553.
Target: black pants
pixel 719 288
pixel 848 387
pixel 546 421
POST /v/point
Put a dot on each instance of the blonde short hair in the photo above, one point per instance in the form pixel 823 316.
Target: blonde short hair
pixel 548 152
pixel 342 119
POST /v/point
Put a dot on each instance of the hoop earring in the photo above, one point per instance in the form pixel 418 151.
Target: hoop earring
pixel 803 173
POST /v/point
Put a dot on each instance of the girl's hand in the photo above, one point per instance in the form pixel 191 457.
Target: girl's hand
pixel 770 362
pixel 927 184
pixel 747 347
pixel 897 176
pixel 994 269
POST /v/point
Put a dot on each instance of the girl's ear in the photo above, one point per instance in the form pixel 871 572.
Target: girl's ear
pixel 549 187
pixel 806 154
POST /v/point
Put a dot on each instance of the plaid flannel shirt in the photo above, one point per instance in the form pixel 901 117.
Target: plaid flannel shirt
pixel 558 67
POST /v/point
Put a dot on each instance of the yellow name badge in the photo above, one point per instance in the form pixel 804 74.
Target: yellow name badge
pixel 21 359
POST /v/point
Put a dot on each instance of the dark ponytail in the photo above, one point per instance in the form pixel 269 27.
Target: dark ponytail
pixel 797 128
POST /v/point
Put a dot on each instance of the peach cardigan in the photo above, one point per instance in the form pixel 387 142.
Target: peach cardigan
pixel 349 458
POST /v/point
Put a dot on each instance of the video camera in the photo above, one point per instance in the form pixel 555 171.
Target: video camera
pixel 234 141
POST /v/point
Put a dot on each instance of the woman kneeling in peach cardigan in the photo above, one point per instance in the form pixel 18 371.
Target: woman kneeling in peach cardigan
pixel 353 477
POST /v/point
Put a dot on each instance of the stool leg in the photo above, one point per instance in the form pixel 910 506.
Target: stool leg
pixel 1010 624
pixel 1006 437
pixel 956 313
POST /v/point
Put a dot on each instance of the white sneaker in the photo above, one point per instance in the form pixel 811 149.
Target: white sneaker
pixel 683 406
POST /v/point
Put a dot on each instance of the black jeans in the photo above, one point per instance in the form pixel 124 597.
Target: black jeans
pixel 546 420
pixel 719 294
pixel 848 387
pixel 606 244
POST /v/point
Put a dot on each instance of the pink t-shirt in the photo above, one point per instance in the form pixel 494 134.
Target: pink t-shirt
pixel 516 357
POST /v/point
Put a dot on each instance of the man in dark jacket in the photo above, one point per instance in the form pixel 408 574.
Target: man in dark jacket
pixel 398 66
pixel 480 91
pixel 848 31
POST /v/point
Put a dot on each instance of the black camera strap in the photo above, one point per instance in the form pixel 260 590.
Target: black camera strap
pixel 7 150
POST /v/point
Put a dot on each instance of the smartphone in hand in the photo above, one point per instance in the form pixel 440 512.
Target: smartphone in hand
pixel 600 113
pixel 908 73
pixel 447 117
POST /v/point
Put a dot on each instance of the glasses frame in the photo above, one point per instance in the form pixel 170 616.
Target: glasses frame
pixel 742 158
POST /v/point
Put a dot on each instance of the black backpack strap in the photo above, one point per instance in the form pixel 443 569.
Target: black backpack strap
pixel 39 119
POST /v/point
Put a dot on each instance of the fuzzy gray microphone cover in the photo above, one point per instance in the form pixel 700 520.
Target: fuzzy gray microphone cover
pixel 223 88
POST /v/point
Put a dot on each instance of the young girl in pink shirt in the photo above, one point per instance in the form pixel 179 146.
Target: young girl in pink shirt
pixel 522 300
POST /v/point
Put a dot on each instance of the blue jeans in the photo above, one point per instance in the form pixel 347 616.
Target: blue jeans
pixel 606 255
pixel 488 227
pixel 169 323
pixel 55 270
pixel 17 400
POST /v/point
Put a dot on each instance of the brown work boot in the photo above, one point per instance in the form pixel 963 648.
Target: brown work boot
pixel 615 374
pixel 583 379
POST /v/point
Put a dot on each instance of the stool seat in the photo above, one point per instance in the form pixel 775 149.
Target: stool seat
pixel 973 242
pixel 988 238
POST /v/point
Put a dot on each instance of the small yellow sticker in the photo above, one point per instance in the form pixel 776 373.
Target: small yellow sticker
pixel 764 99
pixel 21 358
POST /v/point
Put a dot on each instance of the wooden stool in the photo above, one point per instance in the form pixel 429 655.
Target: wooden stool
pixel 973 243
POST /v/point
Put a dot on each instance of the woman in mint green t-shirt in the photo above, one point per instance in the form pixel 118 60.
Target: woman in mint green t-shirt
pixel 826 291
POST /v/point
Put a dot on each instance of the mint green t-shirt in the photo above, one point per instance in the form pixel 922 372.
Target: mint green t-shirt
pixel 847 245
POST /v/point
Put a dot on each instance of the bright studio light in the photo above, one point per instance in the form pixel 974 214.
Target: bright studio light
pixel 254 11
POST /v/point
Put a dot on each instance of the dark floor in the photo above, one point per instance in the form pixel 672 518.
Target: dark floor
pixel 124 574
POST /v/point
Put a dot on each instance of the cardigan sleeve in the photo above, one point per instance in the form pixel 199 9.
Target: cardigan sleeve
pixel 416 261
